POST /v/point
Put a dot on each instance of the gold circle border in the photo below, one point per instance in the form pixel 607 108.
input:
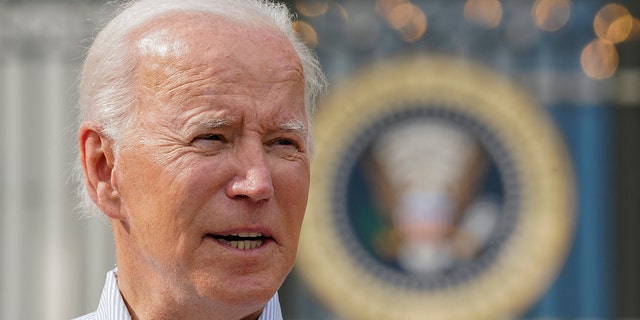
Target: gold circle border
pixel 532 255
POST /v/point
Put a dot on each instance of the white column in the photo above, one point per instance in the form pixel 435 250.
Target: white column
pixel 12 203
pixel 54 215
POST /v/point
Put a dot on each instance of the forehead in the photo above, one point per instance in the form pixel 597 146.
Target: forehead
pixel 200 56
pixel 178 35
pixel 201 44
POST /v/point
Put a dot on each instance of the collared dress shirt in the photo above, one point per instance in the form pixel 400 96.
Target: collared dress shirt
pixel 112 307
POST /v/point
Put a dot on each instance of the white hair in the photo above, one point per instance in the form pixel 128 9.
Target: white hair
pixel 106 95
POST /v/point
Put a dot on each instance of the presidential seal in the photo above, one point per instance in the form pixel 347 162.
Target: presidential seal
pixel 440 190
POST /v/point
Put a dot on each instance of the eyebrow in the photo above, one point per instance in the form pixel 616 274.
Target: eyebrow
pixel 294 125
pixel 214 123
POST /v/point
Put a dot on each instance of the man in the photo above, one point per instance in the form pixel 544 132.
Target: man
pixel 195 143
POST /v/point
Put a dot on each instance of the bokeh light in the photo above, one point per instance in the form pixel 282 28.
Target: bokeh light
pixel 405 17
pixel 613 23
pixel 384 7
pixel 599 59
pixel 307 33
pixel 483 13
pixel 312 8
pixel 551 15
pixel 635 30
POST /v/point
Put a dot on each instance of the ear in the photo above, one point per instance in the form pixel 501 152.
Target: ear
pixel 98 161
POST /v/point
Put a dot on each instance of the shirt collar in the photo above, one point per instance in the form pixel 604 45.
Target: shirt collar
pixel 112 306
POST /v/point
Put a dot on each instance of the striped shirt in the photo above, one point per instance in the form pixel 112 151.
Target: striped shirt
pixel 112 307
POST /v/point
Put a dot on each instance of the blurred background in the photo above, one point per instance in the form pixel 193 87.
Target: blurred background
pixel 580 59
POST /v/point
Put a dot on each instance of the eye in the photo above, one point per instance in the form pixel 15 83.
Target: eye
pixel 211 137
pixel 285 146
pixel 210 142
pixel 285 142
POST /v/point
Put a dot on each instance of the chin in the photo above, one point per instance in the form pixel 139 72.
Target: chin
pixel 242 292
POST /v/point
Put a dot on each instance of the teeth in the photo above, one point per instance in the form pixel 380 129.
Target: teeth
pixel 246 241
pixel 243 244
pixel 247 234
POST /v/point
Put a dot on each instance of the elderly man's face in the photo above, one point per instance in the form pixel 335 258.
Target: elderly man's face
pixel 213 173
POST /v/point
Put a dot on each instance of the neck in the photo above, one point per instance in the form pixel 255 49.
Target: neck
pixel 151 292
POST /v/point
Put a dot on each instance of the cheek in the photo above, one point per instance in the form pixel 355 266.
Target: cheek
pixel 143 184
pixel 292 189
pixel 153 195
pixel 163 205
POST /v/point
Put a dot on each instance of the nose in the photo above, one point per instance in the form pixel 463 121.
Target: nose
pixel 253 176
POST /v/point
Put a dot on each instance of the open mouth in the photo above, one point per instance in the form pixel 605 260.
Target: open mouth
pixel 242 240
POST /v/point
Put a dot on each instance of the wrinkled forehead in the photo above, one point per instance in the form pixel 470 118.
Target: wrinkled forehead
pixel 184 55
pixel 188 42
